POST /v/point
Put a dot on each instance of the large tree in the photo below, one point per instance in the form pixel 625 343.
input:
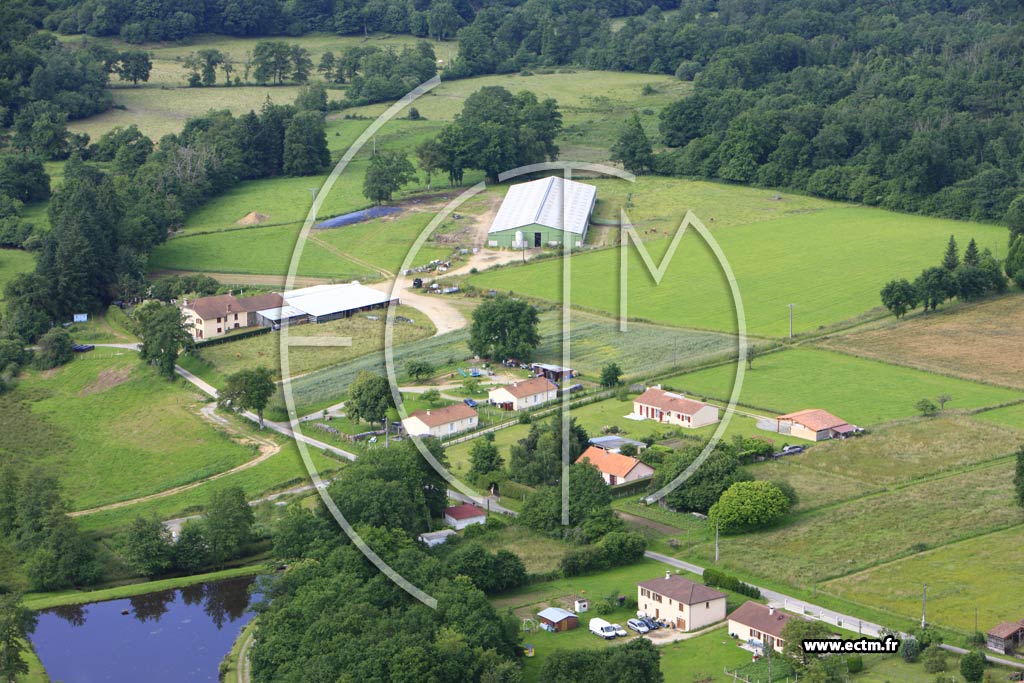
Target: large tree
pixel 146 547
pixel 369 398
pixel 17 623
pixel 389 170
pixel 305 144
pixel 899 296
pixel 227 524
pixel 632 148
pixel 536 459
pixel 249 390
pixel 162 328
pixel 504 327
pixel 749 505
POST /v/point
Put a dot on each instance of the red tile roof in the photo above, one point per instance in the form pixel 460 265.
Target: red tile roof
pixel 682 590
pixel 815 418
pixel 464 511
pixel 530 387
pixel 667 401
pixel 435 417
pixel 1007 629
pixel 761 617
pixel 615 464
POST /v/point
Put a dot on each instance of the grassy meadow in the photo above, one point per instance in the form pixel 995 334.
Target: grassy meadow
pixel 1010 416
pixel 862 391
pixel 112 430
pixel 960 579
pixel 979 341
pixel 829 263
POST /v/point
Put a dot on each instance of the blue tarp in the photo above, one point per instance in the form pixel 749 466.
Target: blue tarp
pixel 358 216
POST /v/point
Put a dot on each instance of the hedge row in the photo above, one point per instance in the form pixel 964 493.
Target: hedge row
pixel 713 577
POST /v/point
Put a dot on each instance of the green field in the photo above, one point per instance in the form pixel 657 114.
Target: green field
pixel 830 264
pixel 842 539
pixel 367 336
pixel 960 578
pixel 112 430
pixel 862 391
pixel 890 456
pixel 1011 416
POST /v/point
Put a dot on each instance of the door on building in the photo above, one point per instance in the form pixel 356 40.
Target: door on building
pixel 536 239
pixel 680 623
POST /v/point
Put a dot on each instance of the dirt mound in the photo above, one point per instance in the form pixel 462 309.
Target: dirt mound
pixel 253 218
pixel 108 379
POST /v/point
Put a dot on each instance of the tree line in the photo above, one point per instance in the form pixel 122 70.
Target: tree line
pixel 106 220
pixel 968 278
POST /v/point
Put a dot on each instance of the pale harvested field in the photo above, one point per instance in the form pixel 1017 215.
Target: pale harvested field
pixel 980 342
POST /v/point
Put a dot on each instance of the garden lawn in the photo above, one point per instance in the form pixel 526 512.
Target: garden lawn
pixel 831 264
pixel 861 391
pixel 538 552
pixel 979 341
pixel 973 574
pixel 703 658
pixel 112 430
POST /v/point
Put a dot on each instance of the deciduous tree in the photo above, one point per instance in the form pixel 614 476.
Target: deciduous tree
pixel 369 398
pixel 162 328
pixel 899 296
pixel 504 327
pixel 248 390
pixel 389 170
pixel 749 505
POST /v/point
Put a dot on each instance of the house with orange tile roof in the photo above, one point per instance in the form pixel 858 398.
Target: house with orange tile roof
pixel 675 409
pixel 814 424
pixel 441 422
pixel 616 468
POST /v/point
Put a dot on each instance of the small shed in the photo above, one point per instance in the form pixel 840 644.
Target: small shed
pixel 435 538
pixel 1006 637
pixel 555 373
pixel 461 516
pixel 559 619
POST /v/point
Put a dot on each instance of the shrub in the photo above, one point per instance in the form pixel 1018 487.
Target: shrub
pixel 934 660
pixel 854 664
pixel 910 650
pixel 972 666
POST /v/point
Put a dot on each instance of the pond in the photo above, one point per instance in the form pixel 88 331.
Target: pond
pixel 171 636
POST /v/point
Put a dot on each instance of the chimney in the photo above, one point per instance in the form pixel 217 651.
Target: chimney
pixel 428 412
pixel 668 575
pixel 771 611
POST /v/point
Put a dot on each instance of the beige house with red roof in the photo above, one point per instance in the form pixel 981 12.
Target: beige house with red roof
pixel 616 468
pixel 671 408
pixel 814 424
pixel 686 605
pixel 214 316
pixel 759 626
pixel 524 395
pixel 441 422
pixel 461 516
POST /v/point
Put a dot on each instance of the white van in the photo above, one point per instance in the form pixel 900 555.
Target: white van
pixel 602 628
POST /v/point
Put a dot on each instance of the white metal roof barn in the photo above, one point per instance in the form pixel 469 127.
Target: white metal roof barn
pixel 544 212
pixel 321 303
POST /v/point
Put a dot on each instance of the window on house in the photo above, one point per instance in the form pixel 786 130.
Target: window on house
pixel 707 605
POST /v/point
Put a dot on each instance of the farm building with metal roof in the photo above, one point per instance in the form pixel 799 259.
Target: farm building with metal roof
pixel 544 212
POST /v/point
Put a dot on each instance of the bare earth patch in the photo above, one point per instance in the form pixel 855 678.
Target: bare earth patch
pixel 107 379
pixel 979 342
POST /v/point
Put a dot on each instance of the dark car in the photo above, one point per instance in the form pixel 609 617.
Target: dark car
pixel 417 283
pixel 469 402
pixel 82 348
pixel 651 623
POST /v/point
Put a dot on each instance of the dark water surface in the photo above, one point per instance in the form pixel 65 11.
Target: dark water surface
pixel 172 636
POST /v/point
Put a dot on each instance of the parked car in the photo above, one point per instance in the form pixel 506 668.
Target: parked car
pixel 600 627
pixel 470 402
pixel 82 348
pixel 637 625
pixel 651 624
pixel 790 450
pixel 417 283
pixel 619 631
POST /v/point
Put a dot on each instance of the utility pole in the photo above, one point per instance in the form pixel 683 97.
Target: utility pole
pixel 716 541
pixel 924 606
pixel 791 320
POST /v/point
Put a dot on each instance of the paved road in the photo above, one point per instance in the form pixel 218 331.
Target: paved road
pixel 846 621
